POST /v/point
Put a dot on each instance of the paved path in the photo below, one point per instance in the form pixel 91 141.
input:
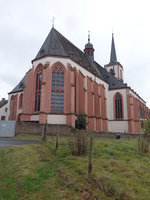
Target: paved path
pixel 7 142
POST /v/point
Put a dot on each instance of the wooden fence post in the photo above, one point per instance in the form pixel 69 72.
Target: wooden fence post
pixel 57 136
pixel 90 156
pixel 44 132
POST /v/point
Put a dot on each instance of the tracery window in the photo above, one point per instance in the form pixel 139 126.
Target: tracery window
pixel 57 89
pixel 118 106
pixel 38 90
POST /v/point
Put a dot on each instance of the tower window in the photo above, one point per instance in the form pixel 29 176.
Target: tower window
pixel 111 72
pixel 57 89
pixel 38 90
pixel 118 106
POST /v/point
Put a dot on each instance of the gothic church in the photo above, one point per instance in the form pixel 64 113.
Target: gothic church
pixel 65 81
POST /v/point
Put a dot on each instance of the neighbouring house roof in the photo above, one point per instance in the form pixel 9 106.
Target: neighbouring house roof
pixel 19 87
pixel 3 102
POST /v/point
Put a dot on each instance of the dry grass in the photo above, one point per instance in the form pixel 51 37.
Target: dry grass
pixel 35 172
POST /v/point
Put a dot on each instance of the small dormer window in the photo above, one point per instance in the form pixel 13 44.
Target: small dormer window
pixel 21 85
pixel 42 51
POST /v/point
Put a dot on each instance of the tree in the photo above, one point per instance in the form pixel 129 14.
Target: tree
pixel 81 121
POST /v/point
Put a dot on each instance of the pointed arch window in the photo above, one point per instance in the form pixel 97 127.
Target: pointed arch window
pixel 57 89
pixel 38 90
pixel 20 101
pixel 118 106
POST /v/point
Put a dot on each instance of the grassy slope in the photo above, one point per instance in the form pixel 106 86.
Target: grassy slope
pixel 34 172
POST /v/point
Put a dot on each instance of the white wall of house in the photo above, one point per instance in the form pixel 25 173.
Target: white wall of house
pixel 4 112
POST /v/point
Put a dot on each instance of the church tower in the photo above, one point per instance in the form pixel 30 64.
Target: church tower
pixel 114 67
pixel 89 50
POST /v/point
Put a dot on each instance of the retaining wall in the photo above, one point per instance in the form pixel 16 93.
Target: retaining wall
pixel 36 129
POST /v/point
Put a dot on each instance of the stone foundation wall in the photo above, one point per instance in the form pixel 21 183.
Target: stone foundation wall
pixel 36 129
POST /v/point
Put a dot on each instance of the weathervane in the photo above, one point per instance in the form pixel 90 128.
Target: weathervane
pixel 53 19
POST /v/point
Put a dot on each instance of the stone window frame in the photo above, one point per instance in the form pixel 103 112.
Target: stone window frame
pixel 57 89
pixel 118 106
pixel 38 85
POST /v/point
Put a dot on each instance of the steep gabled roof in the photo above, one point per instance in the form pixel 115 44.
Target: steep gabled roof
pixel 57 45
pixel 3 102
pixel 20 86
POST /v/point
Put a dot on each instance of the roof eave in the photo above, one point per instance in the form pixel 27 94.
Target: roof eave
pixel 50 55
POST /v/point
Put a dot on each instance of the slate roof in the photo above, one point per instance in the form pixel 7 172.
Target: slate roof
pixel 20 86
pixel 113 56
pixel 57 45
pixel 3 102
pixel 113 82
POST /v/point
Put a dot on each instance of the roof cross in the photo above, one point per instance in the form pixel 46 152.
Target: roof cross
pixel 53 19
pixel 88 36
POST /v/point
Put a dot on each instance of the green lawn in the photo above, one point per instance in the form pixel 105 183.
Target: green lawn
pixel 35 172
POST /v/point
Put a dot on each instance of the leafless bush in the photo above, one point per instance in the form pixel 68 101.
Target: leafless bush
pixel 143 144
pixel 78 143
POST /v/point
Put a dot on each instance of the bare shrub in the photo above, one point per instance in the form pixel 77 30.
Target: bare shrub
pixel 144 140
pixel 147 129
pixel 78 143
pixel 143 144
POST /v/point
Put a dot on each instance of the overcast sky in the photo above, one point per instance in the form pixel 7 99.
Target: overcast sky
pixel 24 25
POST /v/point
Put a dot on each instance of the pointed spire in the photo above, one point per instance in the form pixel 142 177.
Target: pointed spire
pixel 113 57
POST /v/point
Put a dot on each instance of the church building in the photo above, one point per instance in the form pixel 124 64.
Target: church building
pixel 65 82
